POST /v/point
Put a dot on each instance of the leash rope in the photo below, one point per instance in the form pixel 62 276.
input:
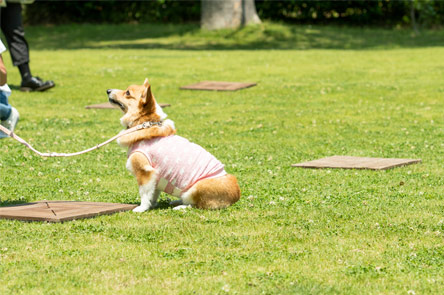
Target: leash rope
pixel 128 131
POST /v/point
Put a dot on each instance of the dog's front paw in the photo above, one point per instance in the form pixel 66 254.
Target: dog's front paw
pixel 140 209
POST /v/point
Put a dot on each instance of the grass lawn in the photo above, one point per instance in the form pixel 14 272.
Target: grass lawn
pixel 321 91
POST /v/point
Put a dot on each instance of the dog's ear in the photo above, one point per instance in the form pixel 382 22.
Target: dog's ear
pixel 147 95
pixel 146 83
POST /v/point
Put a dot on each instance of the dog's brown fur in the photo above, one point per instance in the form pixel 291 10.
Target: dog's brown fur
pixel 216 193
pixel 139 105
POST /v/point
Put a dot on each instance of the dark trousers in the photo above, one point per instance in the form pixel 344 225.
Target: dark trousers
pixel 12 28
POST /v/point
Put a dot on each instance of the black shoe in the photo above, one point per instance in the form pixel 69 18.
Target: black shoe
pixel 36 84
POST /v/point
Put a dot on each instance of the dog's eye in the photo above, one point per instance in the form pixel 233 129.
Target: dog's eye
pixel 127 93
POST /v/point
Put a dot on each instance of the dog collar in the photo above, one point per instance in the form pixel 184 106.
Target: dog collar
pixel 148 124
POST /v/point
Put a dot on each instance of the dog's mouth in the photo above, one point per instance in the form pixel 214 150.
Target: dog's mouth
pixel 117 103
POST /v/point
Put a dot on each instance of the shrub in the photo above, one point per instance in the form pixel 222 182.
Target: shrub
pixel 361 13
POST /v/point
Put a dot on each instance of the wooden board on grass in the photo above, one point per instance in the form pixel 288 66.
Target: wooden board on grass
pixel 349 162
pixel 218 85
pixel 59 211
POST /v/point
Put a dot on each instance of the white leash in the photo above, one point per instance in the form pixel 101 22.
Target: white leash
pixel 133 129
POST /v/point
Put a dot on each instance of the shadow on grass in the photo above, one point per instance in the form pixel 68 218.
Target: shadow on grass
pixel 14 87
pixel 162 204
pixel 13 202
pixel 190 37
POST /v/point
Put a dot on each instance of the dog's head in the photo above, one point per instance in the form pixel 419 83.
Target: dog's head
pixel 137 103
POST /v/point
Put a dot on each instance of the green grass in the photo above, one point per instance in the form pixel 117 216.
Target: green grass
pixel 321 91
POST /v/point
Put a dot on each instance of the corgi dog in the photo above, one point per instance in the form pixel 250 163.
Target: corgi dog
pixel 160 160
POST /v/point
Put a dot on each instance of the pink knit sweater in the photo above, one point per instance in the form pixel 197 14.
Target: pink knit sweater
pixel 180 163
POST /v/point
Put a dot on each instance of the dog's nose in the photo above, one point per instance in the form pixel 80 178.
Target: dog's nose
pixel 108 91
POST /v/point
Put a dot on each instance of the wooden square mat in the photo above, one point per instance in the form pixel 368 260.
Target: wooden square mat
pixel 59 211
pixel 348 162
pixel 107 105
pixel 218 85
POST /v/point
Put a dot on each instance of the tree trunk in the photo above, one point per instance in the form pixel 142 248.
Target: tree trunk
pixel 249 13
pixel 219 14
pixel 412 17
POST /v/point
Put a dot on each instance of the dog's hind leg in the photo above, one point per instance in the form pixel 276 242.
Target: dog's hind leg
pixel 179 204
pixel 182 207
pixel 146 177
pixel 213 193
pixel 175 203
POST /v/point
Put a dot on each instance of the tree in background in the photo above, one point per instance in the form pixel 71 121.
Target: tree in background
pixel 219 14
pixel 233 13
pixel 423 12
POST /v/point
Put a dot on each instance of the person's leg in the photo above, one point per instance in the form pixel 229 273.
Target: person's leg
pixel 12 28
pixel 5 107
pixel 5 111
pixel 9 115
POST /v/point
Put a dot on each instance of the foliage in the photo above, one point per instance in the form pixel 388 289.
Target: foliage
pixel 362 92
pixel 351 12
pixel 113 11
pixel 429 11
pixel 360 12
